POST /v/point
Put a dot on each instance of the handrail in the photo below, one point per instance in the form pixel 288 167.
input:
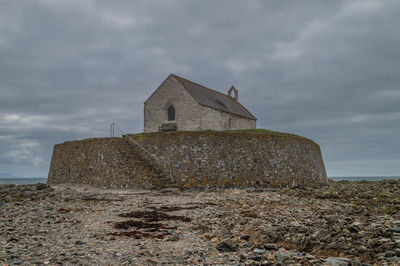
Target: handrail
pixel 143 148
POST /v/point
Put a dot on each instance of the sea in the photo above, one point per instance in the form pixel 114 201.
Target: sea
pixel 363 178
pixel 27 181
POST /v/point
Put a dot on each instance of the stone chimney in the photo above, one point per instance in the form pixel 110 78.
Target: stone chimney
pixel 235 91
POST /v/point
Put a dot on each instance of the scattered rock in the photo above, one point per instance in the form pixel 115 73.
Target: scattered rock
pixel 283 255
pixel 394 259
pixel 227 246
pixel 41 186
pixel 338 261
pixel 16 261
pixel 316 226
pixel 395 229
pixel 270 246
pixel 310 257
pixel 258 251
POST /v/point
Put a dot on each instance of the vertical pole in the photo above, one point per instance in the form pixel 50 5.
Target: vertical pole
pixel 112 130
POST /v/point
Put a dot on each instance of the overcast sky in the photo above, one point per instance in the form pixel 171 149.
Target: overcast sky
pixel 326 70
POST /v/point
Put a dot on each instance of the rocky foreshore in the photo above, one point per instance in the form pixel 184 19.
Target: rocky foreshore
pixel 343 223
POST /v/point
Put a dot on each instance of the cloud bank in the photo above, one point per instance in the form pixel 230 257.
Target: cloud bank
pixel 329 71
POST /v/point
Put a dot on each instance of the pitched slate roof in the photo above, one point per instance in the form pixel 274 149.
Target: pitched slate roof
pixel 214 99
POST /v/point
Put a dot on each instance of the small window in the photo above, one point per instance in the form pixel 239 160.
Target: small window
pixel 229 122
pixel 171 113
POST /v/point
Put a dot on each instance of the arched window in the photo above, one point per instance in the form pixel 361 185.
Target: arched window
pixel 171 113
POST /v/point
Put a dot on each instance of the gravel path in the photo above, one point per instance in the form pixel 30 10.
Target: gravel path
pixel 345 223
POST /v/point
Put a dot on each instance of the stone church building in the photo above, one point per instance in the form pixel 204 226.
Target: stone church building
pixel 180 104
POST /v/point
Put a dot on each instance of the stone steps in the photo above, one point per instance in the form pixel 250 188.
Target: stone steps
pixel 143 161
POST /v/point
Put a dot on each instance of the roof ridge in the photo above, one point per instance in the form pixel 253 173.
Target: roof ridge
pixel 230 98
pixel 214 91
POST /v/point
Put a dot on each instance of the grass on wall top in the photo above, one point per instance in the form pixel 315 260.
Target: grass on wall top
pixel 257 131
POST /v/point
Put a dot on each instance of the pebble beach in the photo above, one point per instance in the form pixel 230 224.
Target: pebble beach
pixel 342 223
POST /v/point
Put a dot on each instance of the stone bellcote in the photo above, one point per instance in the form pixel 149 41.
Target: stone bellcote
pixel 235 91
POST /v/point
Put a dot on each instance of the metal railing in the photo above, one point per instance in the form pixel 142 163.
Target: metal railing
pixel 143 148
pixel 140 146
pixel 131 139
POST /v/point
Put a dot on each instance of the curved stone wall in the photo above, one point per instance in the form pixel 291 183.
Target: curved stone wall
pixel 190 159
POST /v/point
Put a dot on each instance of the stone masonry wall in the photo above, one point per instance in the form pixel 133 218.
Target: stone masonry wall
pixel 190 159
pixel 102 162
pixel 213 119
pixel 213 158
pixel 186 108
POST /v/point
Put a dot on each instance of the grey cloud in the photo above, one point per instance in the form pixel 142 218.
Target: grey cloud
pixel 325 70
